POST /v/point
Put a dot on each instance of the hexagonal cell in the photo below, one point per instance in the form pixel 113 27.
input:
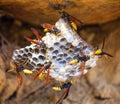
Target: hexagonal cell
pixel 55 52
pixel 20 51
pixel 62 62
pixel 33 64
pixel 59 58
pixel 61 54
pixel 63 40
pixel 26 50
pixel 43 51
pixel 54 57
pixel 65 55
pixel 36 50
pixel 35 59
pixel 24 55
pixel 51 48
pixel 41 57
pixel 68 59
pixel 56 44
pixel 16 52
pixel 68 45
pixel 19 56
pixel 29 54
pixel 39 65
pixel 31 50
pixel 79 47
pixel 62 47
pixel 70 50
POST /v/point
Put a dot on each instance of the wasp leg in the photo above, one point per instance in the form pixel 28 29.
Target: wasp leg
pixel 47 77
pixel 82 67
pixel 19 77
pixel 64 96
pixel 40 71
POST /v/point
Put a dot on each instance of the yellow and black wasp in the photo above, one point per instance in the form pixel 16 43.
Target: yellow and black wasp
pixel 83 58
pixel 100 51
pixel 66 86
pixel 48 27
pixel 45 67
pixel 21 68
pixel 36 33
pixel 75 23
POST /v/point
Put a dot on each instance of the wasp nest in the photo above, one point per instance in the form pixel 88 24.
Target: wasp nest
pixel 61 48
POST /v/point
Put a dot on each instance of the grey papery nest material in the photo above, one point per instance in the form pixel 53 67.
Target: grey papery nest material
pixel 61 48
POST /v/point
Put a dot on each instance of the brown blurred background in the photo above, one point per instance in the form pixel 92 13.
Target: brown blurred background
pixel 101 85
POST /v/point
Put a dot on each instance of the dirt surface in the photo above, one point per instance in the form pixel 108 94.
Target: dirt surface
pixel 40 11
pixel 101 85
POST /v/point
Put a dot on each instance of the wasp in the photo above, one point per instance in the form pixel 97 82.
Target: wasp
pixel 83 60
pixel 66 86
pixel 36 33
pixel 74 22
pixel 101 51
pixel 21 68
pixel 45 67
pixel 48 27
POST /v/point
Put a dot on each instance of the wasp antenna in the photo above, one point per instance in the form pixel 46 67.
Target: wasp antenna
pixel 108 54
pixel 36 33
pixel 103 43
